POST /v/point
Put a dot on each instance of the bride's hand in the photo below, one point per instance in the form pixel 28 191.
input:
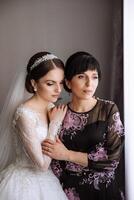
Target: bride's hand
pixel 57 113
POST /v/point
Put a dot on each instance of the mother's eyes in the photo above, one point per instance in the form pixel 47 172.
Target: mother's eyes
pixel 81 76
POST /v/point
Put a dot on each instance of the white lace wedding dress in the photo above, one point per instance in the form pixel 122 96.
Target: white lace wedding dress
pixel 30 176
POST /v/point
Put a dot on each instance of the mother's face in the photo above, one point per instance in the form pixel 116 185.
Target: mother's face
pixel 84 85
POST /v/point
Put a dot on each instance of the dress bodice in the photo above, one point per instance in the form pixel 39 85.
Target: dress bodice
pixel 41 128
pixel 29 132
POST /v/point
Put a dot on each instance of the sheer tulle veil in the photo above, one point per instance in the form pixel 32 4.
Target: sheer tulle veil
pixel 15 97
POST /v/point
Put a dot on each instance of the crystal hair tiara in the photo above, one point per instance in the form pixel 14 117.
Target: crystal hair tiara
pixel 41 59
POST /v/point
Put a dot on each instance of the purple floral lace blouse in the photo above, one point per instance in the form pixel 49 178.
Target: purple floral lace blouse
pixel 98 132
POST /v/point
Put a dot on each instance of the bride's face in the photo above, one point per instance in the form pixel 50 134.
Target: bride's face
pixel 50 85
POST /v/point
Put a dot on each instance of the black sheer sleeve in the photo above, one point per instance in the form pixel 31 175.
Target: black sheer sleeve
pixel 107 156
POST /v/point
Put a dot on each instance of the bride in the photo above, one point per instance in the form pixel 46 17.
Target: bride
pixel 25 173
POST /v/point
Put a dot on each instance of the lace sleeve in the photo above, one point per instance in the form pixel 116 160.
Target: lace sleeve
pixel 107 157
pixel 27 130
pixel 54 128
pixel 54 125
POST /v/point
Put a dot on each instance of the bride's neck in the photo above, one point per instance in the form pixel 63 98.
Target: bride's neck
pixel 38 104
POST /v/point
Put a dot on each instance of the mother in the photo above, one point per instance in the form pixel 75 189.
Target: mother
pixel 87 154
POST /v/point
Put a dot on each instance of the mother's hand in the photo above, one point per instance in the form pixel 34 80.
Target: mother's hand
pixel 55 149
pixel 57 113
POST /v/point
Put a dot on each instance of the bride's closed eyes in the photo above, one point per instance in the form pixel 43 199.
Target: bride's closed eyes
pixel 51 83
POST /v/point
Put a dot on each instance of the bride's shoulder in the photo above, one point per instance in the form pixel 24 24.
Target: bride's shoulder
pixel 25 112
pixel 19 109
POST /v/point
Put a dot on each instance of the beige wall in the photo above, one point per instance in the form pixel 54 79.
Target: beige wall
pixel 59 26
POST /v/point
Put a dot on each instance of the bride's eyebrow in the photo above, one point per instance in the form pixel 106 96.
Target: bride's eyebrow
pixel 54 81
pixel 50 80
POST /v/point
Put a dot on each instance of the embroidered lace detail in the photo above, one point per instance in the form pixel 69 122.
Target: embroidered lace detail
pixel 74 167
pixel 74 122
pixel 19 112
pixel 99 154
pixel 116 126
pixel 72 194
pixel 56 168
pixel 105 101
pixel 98 178
pixel 54 128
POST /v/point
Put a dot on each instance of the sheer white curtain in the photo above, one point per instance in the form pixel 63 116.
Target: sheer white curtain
pixel 129 95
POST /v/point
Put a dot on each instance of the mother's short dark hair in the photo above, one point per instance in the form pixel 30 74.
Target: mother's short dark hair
pixel 80 62
pixel 41 69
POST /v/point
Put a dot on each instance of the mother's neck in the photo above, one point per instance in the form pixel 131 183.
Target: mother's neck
pixel 79 105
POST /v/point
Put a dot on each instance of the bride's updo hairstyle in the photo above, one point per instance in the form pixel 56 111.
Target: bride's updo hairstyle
pixel 39 65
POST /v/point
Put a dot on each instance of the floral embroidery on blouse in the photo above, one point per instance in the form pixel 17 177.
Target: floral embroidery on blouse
pixel 72 194
pixel 57 169
pixel 105 101
pixel 74 167
pixel 116 126
pixel 98 155
pixel 73 122
pixel 97 178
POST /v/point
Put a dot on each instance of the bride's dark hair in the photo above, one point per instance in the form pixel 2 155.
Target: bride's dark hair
pixel 41 69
